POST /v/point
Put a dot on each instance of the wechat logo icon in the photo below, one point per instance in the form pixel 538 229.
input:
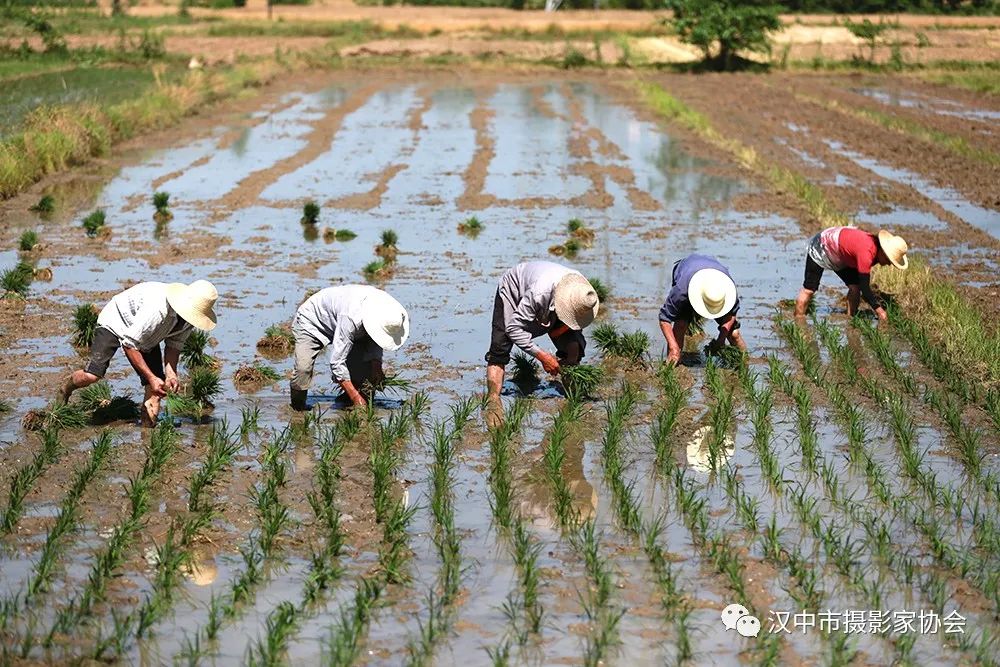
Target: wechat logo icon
pixel 737 617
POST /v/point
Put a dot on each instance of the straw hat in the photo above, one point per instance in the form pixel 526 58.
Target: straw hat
pixel 712 293
pixel 385 320
pixel 894 248
pixel 195 303
pixel 576 301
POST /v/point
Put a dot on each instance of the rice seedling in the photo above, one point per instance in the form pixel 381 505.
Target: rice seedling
pixel 378 269
pixel 720 413
pixel 343 644
pixel 161 202
pixel 94 223
pixel 84 324
pixel 525 374
pixel 62 417
pixel 310 213
pixel 389 239
pixel 28 241
pixel 471 226
pixel 580 232
pixel 601 288
pixel 581 382
pixel 46 205
pixel 97 401
pixel 255 374
pixel 387 249
pixel 277 339
pixel 24 479
pixel 16 281
pixel 6 406
pixel 394 383
pixel 332 234
pixel 194 355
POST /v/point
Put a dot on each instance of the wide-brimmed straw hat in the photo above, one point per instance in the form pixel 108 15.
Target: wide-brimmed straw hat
pixel 576 301
pixel 712 293
pixel 894 248
pixel 385 320
pixel 195 303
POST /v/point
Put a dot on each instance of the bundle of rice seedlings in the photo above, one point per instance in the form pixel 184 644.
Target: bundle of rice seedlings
pixel 580 232
pixel 182 405
pixel 5 406
pixel 103 407
pixel 568 249
pixel 472 226
pixel 255 374
pixel 17 280
pixel 379 269
pixel 582 381
pixel 94 223
pixel 84 324
pixel 204 385
pixel 331 234
pixel 65 416
pixel 277 339
pixel 696 327
pixel 388 249
pixel 194 355
pixel 45 205
pixel 607 337
pixel 603 291
pixel 394 383
pixel 161 201
pixel 525 374
pixel 28 241
pixel 633 346
pixel 310 213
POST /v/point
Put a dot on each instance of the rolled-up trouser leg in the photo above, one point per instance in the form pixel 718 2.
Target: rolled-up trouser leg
pixel 570 348
pixel 307 349
pixel 500 344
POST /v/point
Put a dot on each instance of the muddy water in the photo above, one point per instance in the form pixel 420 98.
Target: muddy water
pixel 419 157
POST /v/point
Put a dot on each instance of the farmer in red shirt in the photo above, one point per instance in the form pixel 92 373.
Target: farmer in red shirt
pixel 850 253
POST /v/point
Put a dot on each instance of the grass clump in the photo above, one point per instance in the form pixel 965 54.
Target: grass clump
pixel 255 374
pixel 387 249
pixel 28 241
pixel 310 213
pixel 17 280
pixel 581 381
pixel 45 206
pixel 161 202
pixel 94 223
pixel 472 227
pixel 84 324
pixel 194 355
pixel 278 339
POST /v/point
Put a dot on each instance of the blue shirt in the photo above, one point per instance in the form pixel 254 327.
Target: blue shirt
pixel 678 306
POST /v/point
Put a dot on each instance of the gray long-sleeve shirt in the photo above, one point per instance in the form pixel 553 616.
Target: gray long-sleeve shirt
pixel 333 317
pixel 141 318
pixel 527 292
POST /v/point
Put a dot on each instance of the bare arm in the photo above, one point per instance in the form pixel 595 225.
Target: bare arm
pixel 674 335
pixel 134 356
pixel 171 355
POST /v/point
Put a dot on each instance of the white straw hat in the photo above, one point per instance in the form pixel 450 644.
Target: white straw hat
pixel 894 248
pixel 195 303
pixel 712 293
pixel 576 301
pixel 385 320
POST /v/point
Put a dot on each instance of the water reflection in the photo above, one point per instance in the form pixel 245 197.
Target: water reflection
pixel 537 501
pixel 699 450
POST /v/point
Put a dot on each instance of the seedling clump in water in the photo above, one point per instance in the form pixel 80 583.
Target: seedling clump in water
pixel 331 234
pixel 45 205
pixel 94 223
pixel 277 339
pixel 28 241
pixel 378 269
pixel 525 374
pixel 472 226
pixel 255 374
pixel 581 381
pixel 194 355
pixel 16 281
pixel 602 290
pixel 161 201
pixel 388 248
pixel 310 213
pixel 84 324
pixel 580 232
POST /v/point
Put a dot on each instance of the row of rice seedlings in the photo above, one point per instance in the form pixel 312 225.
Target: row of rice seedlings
pixel 344 641
pixel 761 402
pixel 447 541
pixel 16 281
pixel 66 522
pixel 968 438
pixel 879 534
pixel 471 226
pixel 632 347
pixel 24 478
pixel 163 442
pixel 324 561
pixel 28 241
pixel 720 412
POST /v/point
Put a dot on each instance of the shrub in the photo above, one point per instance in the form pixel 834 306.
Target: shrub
pixel 310 213
pixel 28 241
pixel 94 223
pixel 84 324
pixel 722 28
pixel 45 205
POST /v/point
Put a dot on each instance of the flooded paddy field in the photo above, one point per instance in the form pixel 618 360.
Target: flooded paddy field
pixel 840 471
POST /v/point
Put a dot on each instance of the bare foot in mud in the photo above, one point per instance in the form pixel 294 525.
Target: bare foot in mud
pixel 65 391
pixel 150 410
pixel 494 412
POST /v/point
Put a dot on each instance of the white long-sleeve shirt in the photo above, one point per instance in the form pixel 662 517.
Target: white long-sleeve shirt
pixel 141 318
pixel 527 293
pixel 333 317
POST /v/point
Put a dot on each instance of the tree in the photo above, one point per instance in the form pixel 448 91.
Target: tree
pixel 722 28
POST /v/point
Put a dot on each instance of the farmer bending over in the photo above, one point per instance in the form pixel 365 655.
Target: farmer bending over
pixel 138 320
pixel 357 322
pixel 700 286
pixel 536 298
pixel 850 253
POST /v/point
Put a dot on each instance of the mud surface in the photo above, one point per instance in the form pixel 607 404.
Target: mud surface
pixel 419 153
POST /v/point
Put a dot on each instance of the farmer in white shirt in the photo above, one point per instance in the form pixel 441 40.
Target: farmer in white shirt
pixel 357 322
pixel 138 320
pixel 536 298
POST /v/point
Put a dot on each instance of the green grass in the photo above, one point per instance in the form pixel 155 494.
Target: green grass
pixel 985 80
pixel 27 241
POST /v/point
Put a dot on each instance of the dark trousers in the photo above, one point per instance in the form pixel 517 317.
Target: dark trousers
pixel 570 346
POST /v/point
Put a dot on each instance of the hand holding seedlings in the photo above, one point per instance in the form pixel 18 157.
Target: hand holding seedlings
pixel 358 323
pixel 140 320
pixel 850 253
pixel 533 299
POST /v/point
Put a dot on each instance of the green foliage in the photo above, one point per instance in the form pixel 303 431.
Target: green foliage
pixel 574 224
pixel 629 346
pixel 45 205
pixel 28 241
pixel 389 239
pixel 582 381
pixel 310 213
pixel 161 201
pixel 603 291
pixel 94 223
pixel 525 374
pixel 17 280
pixel 723 28
pixel 472 226
pixel 376 269
pixel 194 355
pixel 84 324
pixel 204 385
pixel 868 32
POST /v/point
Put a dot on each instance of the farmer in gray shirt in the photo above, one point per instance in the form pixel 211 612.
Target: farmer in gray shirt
pixel 357 322
pixel 138 321
pixel 536 298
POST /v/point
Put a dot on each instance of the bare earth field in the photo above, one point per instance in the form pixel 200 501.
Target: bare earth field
pixel 853 522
